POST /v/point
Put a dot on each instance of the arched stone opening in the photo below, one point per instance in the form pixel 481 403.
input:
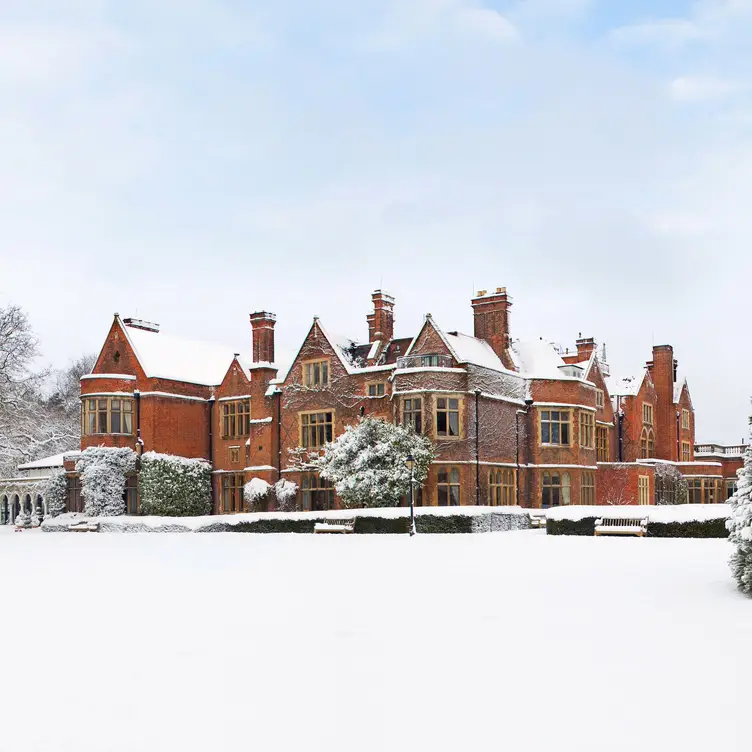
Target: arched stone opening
pixel 4 510
pixel 40 507
pixel 15 508
pixel 28 508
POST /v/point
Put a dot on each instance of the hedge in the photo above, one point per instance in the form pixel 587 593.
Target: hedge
pixel 694 529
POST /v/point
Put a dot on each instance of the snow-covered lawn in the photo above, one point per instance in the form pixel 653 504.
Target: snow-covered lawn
pixel 505 641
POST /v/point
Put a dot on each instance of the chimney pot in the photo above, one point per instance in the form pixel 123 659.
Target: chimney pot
pixel 262 325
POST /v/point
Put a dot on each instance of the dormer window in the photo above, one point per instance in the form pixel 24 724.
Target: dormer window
pixel 574 372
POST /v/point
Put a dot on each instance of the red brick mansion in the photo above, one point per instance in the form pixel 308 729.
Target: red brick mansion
pixel 514 422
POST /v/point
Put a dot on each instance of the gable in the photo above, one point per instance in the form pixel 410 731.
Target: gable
pixel 234 379
pixel 117 355
pixel 429 341
pixel 316 345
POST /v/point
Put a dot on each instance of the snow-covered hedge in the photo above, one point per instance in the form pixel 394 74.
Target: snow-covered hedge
pixel 367 463
pixel 174 486
pixel 668 521
pixel 103 472
pixel 740 526
pixel 391 520
pixel 56 493
pixel 256 494
pixel 286 494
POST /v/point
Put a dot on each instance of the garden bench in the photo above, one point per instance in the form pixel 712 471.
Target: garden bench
pixel 537 519
pixel 621 526
pixel 335 526
pixel 84 527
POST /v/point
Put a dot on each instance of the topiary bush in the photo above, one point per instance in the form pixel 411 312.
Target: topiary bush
pixel 382 525
pixel 172 486
pixel 693 529
pixel 103 472
pixel 455 523
pixel 256 494
pixel 56 493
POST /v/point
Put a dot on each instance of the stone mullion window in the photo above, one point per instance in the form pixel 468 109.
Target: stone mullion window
pixel 587 430
pixel 106 415
pixel 236 419
pixel 232 492
pixel 555 427
pixel 587 489
pixel 502 487
pixel 448 487
pixel 317 493
pixel 601 443
pixel 316 429
pixel 412 413
pixel 316 373
pixel 556 489
pixel 448 417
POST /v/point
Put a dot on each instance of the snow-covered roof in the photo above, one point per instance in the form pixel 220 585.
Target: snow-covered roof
pixel 478 352
pixel 678 386
pixel 624 386
pixel 165 357
pixel 537 359
pixel 55 460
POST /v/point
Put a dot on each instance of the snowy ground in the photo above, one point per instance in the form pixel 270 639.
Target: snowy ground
pixel 504 641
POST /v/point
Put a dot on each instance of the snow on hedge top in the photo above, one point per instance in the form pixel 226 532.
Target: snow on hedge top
pixel 165 357
pixel 667 513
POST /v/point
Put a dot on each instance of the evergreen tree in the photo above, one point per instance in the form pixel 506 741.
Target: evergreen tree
pixel 367 463
pixel 740 526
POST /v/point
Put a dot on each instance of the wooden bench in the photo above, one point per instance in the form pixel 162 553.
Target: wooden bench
pixel 335 526
pixel 537 520
pixel 621 526
pixel 84 527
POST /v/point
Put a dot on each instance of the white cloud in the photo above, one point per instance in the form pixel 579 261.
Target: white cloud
pixel 486 22
pixel 703 88
pixel 669 31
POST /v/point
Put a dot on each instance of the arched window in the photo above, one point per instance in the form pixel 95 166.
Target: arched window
pixel 556 489
pixel 647 443
pixel 4 511
pixel 501 487
pixel 448 487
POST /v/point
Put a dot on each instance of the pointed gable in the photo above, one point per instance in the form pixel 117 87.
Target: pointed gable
pixel 117 355
pixel 430 340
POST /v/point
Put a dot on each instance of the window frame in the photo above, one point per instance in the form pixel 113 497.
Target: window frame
pixel 413 412
pixel 600 399
pixel 686 451
pixel 559 422
pixel 587 489
pixel 647 443
pixel 563 488
pixel 236 418
pixel 102 409
pixel 601 447
pixel 643 490
pixel 381 384
pixel 310 364
pixel 648 414
pixel 234 455
pixel 231 493
pixel 311 492
pixel 685 420
pixel 302 426
pixel 448 398
pixel 502 487
pixel 587 429
pixel 448 486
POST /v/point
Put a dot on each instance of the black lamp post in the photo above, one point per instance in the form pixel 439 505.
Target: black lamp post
pixel 410 462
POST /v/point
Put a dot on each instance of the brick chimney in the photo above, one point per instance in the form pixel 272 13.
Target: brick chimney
pixel 585 348
pixel 491 321
pixel 262 324
pixel 381 321
pixel 662 370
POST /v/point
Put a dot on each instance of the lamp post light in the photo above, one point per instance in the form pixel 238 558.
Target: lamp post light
pixel 410 462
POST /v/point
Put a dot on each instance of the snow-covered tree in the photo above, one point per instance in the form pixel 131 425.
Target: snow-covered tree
pixel 174 486
pixel 23 519
pixel 33 423
pixel 56 493
pixel 740 526
pixel 103 472
pixel 256 494
pixel 367 463
pixel 286 494
pixel 670 485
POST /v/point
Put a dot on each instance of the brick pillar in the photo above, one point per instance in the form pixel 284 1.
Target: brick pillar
pixel 262 324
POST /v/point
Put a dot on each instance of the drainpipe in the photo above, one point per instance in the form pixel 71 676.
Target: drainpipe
pixel 477 450
pixel 278 400
pixel 678 437
pixel 526 411
pixel 139 440
pixel 211 444
pixel 620 423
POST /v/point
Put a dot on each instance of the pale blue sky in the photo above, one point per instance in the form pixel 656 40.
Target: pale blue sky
pixel 191 161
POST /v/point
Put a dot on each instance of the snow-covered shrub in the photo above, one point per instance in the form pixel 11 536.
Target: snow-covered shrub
pixel 56 493
pixel 256 494
pixel 367 463
pixel 103 472
pixel 23 519
pixel 739 526
pixel 670 485
pixel 286 494
pixel 172 486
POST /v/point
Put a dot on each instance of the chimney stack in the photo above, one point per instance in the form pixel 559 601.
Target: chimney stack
pixel 585 347
pixel 491 321
pixel 662 370
pixel 262 324
pixel 381 321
